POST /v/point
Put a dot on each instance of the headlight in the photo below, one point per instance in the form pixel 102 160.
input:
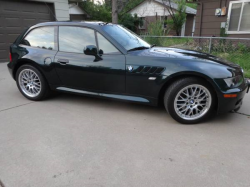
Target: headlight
pixel 234 81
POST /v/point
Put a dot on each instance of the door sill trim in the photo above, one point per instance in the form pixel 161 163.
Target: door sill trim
pixel 113 96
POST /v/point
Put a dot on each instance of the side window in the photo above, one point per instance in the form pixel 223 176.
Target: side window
pixel 42 37
pixel 105 45
pixel 75 39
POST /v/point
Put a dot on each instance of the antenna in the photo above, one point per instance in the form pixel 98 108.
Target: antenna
pixel 50 11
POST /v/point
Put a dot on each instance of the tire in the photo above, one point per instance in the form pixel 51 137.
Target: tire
pixel 31 83
pixel 189 100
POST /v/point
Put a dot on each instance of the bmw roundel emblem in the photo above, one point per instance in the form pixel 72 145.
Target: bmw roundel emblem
pixel 130 68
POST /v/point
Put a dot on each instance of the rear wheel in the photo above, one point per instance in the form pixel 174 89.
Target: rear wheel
pixel 31 83
pixel 189 100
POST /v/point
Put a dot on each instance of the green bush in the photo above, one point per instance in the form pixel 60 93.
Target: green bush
pixel 243 48
pixel 155 29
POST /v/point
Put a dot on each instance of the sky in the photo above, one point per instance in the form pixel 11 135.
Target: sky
pixel 96 1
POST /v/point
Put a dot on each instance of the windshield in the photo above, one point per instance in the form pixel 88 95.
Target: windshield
pixel 126 38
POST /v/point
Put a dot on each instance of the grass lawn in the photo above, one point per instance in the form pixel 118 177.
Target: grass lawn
pixel 243 59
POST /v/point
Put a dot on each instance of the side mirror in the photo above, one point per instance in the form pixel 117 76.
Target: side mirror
pixel 90 50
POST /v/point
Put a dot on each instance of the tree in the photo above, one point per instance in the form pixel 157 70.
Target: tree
pixel 130 4
pixel 114 12
pixel 120 4
pixel 129 21
pixel 97 12
pixel 103 12
pixel 178 16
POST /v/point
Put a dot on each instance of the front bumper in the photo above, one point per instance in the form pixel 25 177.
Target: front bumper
pixel 229 104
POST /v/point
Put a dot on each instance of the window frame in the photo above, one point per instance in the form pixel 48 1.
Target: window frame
pixel 55 37
pixel 229 17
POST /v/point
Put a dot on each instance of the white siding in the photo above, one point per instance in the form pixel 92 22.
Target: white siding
pixel 61 8
pixel 149 8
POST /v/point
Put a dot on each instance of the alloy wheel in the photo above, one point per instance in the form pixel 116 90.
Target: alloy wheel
pixel 192 102
pixel 29 83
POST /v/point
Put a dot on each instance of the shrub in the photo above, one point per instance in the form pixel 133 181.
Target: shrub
pixel 155 29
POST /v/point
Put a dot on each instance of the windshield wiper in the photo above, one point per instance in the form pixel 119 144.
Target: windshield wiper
pixel 138 48
pixel 152 46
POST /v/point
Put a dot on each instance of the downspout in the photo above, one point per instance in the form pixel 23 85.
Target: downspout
pixel 201 15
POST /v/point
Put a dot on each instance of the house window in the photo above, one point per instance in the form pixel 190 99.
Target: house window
pixel 238 17
pixel 164 21
pixel 142 23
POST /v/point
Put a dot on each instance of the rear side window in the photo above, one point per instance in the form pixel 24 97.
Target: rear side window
pixel 42 37
pixel 75 39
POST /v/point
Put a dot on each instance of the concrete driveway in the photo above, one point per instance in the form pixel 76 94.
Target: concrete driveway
pixel 78 141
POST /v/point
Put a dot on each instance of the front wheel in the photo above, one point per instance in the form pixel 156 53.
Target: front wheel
pixel 189 100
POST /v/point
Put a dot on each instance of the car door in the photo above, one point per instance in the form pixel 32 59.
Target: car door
pixel 80 71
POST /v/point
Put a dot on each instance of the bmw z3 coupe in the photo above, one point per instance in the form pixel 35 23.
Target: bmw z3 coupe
pixel 107 60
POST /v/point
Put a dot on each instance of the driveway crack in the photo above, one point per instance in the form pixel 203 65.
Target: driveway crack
pixel 248 115
pixel 16 106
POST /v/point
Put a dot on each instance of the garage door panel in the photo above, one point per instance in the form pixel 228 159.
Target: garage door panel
pixel 27 22
pixel 8 37
pixel 11 38
pixel 13 22
pixel 2 38
pixel 43 10
pixel 29 8
pixel 9 7
pixel 3 56
pixel 2 47
pixel 15 16
pixel 1 22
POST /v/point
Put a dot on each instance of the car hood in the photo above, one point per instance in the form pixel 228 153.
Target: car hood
pixel 188 55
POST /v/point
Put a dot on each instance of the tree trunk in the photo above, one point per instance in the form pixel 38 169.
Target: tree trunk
pixel 114 12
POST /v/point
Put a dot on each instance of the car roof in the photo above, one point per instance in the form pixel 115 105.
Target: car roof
pixel 74 23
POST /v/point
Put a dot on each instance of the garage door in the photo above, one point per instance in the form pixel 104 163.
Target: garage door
pixel 15 16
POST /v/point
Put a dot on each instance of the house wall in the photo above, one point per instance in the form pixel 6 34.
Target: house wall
pixel 188 26
pixel 211 24
pixel 61 8
pixel 149 8
pixel 75 17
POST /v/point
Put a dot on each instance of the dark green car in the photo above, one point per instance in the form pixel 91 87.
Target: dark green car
pixel 106 60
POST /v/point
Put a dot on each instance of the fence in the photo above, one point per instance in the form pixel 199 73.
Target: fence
pixel 236 50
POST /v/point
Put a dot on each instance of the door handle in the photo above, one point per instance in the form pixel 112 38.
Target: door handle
pixel 63 61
